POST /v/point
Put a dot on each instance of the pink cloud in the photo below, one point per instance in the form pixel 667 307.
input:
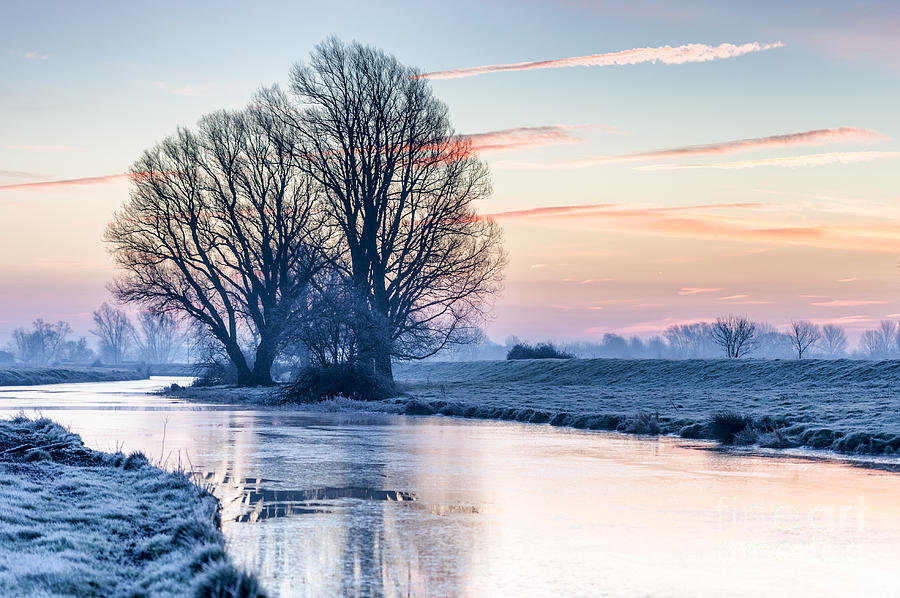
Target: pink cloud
pixel 731 297
pixel 529 137
pixel 852 279
pixel 697 290
pixel 691 222
pixel 804 138
pixel 595 280
pixel 35 56
pixel 664 54
pixel 786 162
pixel 92 180
pixel 848 303
pixel 548 211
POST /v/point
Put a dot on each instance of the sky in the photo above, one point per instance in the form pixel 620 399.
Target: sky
pixel 653 163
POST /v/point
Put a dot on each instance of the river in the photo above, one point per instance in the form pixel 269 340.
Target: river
pixel 332 504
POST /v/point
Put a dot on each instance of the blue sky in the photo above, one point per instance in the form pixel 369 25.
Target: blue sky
pixel 86 87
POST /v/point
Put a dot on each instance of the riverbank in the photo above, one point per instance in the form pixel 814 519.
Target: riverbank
pixel 845 406
pixel 78 522
pixel 33 375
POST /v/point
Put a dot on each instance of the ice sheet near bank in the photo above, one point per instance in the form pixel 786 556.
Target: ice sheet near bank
pixel 77 522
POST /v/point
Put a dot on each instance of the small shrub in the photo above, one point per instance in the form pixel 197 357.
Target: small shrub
pixel 222 580
pixel 643 422
pixel 215 374
pixel 538 351
pixel 135 460
pixel 725 424
pixel 746 437
pixel 37 455
pixel 346 380
pixel 691 431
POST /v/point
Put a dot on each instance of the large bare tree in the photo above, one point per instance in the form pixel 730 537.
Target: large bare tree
pixel 221 227
pixel 401 188
pixel 735 334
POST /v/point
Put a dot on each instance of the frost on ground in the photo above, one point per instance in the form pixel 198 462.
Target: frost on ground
pixel 30 376
pixel 843 405
pixel 77 522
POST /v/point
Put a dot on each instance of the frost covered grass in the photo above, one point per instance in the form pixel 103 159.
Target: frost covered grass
pixel 842 405
pixel 77 522
pixel 32 375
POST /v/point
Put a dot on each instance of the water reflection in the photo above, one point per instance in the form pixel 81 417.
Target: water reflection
pixel 335 504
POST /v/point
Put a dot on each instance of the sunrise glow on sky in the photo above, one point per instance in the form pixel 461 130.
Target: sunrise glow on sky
pixel 653 162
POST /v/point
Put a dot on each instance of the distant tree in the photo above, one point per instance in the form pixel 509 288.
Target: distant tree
pixel 770 343
pixel 538 351
pixel 804 335
pixel 614 345
pixel 656 347
pixel 834 340
pixel 690 340
pixel 114 332
pixel 881 342
pixel 76 352
pixel 42 344
pixel 7 357
pixel 734 334
pixel 158 337
pixel 400 187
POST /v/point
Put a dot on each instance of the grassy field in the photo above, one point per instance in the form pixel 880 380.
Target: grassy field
pixel 76 522
pixel 844 405
pixel 20 375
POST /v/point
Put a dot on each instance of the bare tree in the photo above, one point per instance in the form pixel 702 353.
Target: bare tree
pixel 114 331
pixel 735 335
pixel 804 335
pixel 221 228
pixel 43 343
pixel 400 188
pixel 159 337
pixel 834 340
pixel 76 351
pixel 690 340
pixel 880 343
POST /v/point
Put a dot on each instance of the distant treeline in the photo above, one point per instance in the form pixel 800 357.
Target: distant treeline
pixel 157 338
pixel 701 340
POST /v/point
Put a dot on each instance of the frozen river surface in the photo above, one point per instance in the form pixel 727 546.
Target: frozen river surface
pixel 332 504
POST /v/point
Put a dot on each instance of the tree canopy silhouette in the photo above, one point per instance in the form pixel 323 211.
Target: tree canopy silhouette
pixel 245 223
pixel 400 187
pixel 220 227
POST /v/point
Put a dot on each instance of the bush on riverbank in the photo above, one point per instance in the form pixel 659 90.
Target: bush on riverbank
pixel 77 522
pixel 538 351
pixel 350 381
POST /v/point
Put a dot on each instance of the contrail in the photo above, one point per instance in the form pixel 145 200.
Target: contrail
pixel 815 137
pixel 664 54
pixel 786 162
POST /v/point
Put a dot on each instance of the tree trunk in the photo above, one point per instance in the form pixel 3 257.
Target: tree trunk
pixel 244 375
pixel 262 365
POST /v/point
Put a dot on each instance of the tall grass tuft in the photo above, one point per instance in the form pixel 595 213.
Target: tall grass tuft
pixel 725 425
